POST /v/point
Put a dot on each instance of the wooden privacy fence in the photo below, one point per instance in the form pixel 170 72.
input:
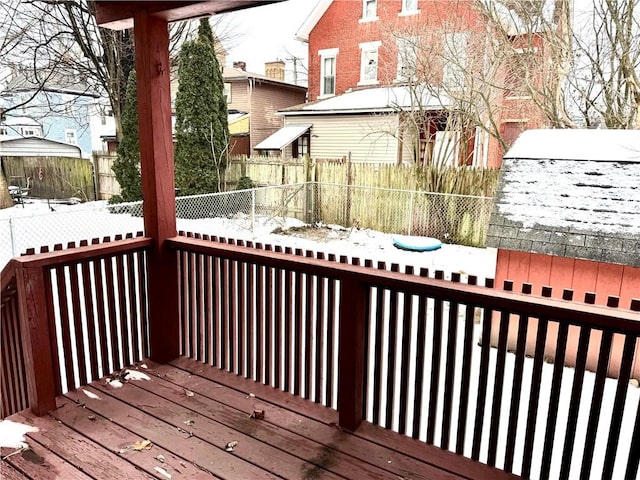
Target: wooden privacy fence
pixel 69 317
pixel 106 183
pixel 412 354
pixel 52 177
pixel 432 178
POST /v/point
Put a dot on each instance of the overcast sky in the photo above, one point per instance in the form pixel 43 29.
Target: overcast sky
pixel 266 33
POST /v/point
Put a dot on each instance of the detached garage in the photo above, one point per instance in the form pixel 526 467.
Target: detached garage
pixel 36 147
pixel 567 216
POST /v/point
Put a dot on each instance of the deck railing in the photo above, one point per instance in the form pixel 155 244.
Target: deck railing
pixel 70 317
pixel 402 350
pixel 414 354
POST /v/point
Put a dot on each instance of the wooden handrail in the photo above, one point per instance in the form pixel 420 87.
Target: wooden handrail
pixel 8 275
pixel 616 320
pixel 95 251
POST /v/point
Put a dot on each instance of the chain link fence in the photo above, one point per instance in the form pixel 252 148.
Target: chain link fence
pixel 248 214
pixel 458 219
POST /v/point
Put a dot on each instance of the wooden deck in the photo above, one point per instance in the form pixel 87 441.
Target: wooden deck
pixel 190 412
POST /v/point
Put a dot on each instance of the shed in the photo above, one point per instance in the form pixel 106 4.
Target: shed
pixel 567 214
pixel 37 147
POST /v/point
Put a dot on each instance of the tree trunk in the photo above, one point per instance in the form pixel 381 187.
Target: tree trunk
pixel 5 199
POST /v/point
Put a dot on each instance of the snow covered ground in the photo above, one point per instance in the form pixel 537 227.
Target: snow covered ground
pixel 38 223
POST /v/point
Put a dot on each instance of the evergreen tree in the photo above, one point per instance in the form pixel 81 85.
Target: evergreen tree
pixel 201 117
pixel 127 166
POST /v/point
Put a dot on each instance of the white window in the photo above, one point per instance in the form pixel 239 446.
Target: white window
pixel 328 72
pixel 70 136
pixel 29 132
pixel 3 131
pixel 409 7
pixel 369 10
pixel 227 92
pixel 455 59
pixel 369 63
pixel 407 58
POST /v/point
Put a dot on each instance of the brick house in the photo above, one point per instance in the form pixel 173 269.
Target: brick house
pixel 371 43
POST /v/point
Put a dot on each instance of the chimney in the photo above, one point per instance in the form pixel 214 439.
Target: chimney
pixel 240 66
pixel 274 70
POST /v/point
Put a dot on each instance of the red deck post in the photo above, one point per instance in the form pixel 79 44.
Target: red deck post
pixel 353 297
pixel 156 160
pixel 36 339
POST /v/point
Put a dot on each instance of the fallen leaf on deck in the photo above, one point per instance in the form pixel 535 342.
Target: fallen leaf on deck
pixel 160 458
pixel 188 393
pixel 188 422
pixel 230 446
pixel 162 472
pixel 142 445
pixel 114 383
pixel 257 414
pixel 91 417
pixel 143 365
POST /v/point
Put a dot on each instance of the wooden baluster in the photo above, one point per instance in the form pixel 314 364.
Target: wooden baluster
pixel 351 355
pixel 436 358
pixel 391 352
pixel 36 338
pixel 503 336
pixel 405 352
pixel 465 379
pixel 379 352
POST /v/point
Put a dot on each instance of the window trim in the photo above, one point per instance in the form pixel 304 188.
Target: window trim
pixel 324 55
pixel 405 12
pixel 364 18
pixel 401 44
pixel 368 47
pixel 67 131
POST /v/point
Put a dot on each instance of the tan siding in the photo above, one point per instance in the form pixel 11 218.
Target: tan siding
pixel 369 138
pixel 239 96
pixel 266 100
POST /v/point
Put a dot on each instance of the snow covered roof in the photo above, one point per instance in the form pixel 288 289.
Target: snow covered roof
pixel 585 208
pixel 59 82
pixel 378 99
pixel 283 137
pixel 230 74
pixel 36 147
pixel 20 121
pixel 578 144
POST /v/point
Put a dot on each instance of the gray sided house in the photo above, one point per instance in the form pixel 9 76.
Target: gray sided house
pixel 567 213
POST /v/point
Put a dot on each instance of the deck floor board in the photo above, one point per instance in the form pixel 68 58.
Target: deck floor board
pixel 190 412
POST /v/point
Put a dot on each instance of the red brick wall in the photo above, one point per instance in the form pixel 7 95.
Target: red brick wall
pixel 340 28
